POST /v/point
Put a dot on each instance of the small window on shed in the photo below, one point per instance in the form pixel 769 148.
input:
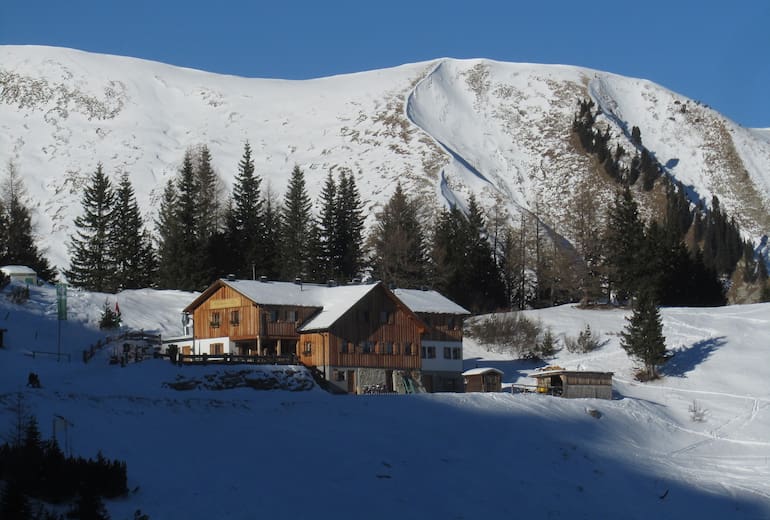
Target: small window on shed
pixel 308 348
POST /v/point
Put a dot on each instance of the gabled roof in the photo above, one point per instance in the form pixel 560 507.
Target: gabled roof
pixel 482 370
pixel 332 301
pixel 17 269
pixel 287 293
pixel 428 302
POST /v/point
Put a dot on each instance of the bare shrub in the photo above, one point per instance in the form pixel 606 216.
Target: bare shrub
pixel 586 341
pixel 697 412
pixel 510 333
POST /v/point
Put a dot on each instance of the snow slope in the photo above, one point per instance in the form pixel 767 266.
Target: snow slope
pixel 444 129
pixel 245 454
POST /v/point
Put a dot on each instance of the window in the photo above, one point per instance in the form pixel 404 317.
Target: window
pixel 235 317
pixel 457 353
pixel 366 346
pixel 447 353
pixel 344 347
pixel 408 349
pixel 215 319
pixel 291 316
pixel 431 352
pixel 424 353
pixel 273 315
pixel 308 348
pixel 217 348
pixel 388 347
pixel 450 323
pixel 338 375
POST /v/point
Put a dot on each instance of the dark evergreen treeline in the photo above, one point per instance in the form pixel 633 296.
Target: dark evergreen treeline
pixel 34 469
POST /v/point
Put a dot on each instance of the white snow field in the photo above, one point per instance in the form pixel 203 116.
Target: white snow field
pixel 243 453
pixel 444 129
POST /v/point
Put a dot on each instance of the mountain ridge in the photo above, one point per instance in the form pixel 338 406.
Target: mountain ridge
pixel 444 128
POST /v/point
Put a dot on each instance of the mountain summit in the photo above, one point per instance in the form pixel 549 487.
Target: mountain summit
pixel 444 129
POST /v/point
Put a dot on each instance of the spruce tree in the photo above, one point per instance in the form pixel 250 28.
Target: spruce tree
pixel 91 265
pixel 271 239
pixel 643 337
pixel 295 227
pixel 17 242
pixel 623 240
pixel 327 229
pixel 245 220
pixel 398 243
pixel 130 245
pixel 170 237
pixel 348 252
pixel 480 274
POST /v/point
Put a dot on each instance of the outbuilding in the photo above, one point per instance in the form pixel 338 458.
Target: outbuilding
pixel 20 274
pixel 574 383
pixel 483 379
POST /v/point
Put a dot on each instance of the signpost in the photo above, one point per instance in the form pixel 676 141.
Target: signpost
pixel 61 311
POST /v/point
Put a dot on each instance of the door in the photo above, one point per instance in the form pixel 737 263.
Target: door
pixel 351 377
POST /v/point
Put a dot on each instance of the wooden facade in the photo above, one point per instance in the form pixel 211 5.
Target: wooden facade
pixel 375 331
pixel 483 380
pixel 575 383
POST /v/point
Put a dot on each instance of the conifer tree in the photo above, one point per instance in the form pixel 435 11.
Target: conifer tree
pixel 208 194
pixel 17 242
pixel 271 240
pixel 184 239
pixel 131 248
pixel 295 227
pixel 170 238
pixel 245 221
pixel 348 252
pixel 398 243
pixel 327 229
pixel 643 337
pixel 91 266
pixel 623 240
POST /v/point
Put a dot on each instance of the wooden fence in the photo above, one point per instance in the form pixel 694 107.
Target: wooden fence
pixel 235 359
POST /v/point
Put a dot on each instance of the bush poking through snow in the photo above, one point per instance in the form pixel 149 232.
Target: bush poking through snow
pixel 697 412
pixel 509 333
pixel 586 341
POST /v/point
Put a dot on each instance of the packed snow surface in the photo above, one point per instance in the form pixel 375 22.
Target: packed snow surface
pixel 244 453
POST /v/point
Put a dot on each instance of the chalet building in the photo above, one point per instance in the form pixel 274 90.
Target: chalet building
pixel 362 337
pixel 574 383
pixel 441 349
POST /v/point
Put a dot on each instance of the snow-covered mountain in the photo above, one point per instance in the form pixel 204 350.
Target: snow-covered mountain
pixel 444 129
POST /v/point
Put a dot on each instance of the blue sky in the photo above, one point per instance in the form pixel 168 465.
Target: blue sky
pixel 714 52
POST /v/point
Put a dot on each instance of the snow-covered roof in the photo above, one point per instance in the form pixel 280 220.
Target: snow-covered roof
pixel 17 269
pixel 561 371
pixel 428 301
pixel 334 301
pixel 481 370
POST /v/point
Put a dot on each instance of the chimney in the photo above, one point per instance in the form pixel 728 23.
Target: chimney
pixel 263 279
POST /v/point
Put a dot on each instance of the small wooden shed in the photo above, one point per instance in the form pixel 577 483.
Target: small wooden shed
pixel 483 380
pixel 574 383
pixel 20 274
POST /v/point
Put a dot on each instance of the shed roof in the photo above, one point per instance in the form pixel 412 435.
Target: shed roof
pixel 428 302
pixel 481 370
pixel 17 269
pixel 548 373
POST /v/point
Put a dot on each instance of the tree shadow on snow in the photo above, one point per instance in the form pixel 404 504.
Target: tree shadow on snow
pixel 685 359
